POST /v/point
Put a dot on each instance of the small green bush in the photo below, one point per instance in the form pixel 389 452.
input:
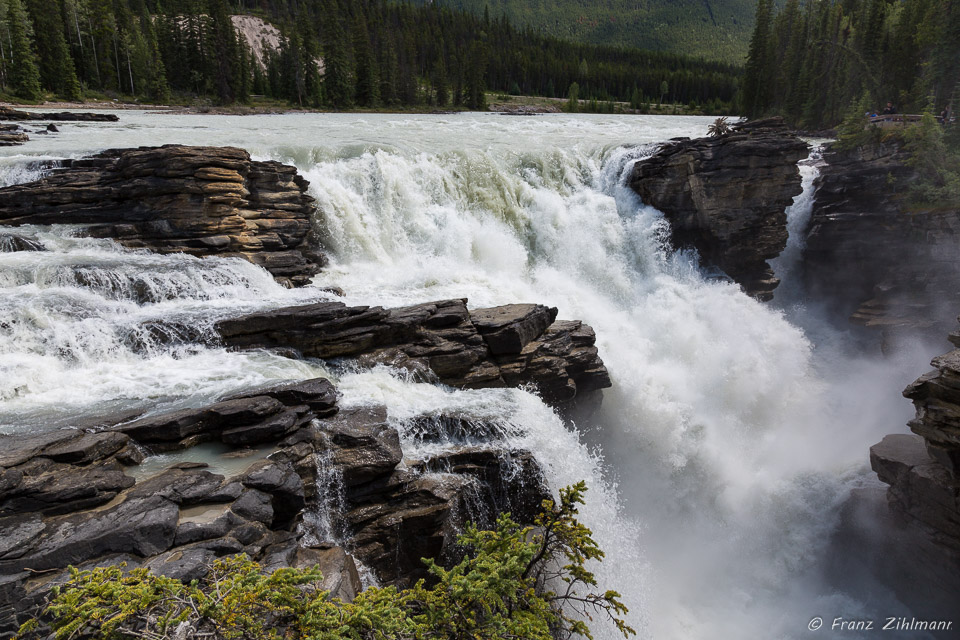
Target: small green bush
pixel 504 588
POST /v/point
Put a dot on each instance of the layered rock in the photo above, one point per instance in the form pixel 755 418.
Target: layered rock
pixel 6 113
pixel 395 515
pixel 923 470
pixel 11 135
pixel 253 417
pixel 66 497
pixel 504 346
pixel 726 196
pixel 870 256
pixel 202 201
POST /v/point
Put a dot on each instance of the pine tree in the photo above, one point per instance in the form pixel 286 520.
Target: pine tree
pixel 756 82
pixel 476 77
pixel 338 80
pixel 368 76
pixel 573 98
pixel 223 41
pixel 56 68
pixel 440 84
pixel 24 74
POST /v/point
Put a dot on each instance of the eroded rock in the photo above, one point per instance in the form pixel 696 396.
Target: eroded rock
pixel 440 340
pixel 726 196
pixel 198 200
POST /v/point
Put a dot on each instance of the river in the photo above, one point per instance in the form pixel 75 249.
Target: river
pixel 721 458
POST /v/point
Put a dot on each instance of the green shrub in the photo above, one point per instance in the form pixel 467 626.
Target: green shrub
pixel 502 589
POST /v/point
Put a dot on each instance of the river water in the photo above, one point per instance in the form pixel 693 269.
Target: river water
pixel 720 460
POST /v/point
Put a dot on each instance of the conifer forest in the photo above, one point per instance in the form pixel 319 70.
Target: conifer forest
pixel 331 54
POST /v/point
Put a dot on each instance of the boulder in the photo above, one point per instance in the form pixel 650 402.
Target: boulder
pixel 202 201
pixel 726 196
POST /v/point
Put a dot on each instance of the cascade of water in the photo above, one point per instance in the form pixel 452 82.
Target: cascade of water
pixel 722 453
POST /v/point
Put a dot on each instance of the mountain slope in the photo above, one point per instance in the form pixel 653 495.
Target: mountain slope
pixel 714 29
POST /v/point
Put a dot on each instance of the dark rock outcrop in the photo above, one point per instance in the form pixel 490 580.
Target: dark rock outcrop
pixel 871 257
pixel 503 346
pixel 395 515
pixel 262 415
pixel 6 113
pixel 10 243
pixel 202 201
pixel 66 499
pixel 923 470
pixel 11 135
pixel 726 196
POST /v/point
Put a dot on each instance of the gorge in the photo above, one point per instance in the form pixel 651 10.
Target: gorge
pixel 721 460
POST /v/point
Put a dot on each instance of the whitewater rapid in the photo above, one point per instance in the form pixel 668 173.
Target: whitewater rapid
pixel 721 455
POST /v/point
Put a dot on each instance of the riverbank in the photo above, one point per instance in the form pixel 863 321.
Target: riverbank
pixel 497 103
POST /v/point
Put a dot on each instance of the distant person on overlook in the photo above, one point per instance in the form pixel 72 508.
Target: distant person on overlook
pixel 889 110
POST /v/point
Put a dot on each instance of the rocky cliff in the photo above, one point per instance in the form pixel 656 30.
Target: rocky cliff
pixel 872 257
pixel 198 200
pixel 923 470
pixel 726 196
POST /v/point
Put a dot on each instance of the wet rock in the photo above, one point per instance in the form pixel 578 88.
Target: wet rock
pixel 726 196
pixel 261 415
pixel 144 527
pixel 254 505
pixel 508 329
pixel 873 257
pixel 920 488
pixel 923 470
pixel 52 488
pixel 183 564
pixel 12 138
pixel 86 448
pixel 359 443
pixel 563 363
pixel 280 480
pixel 439 340
pixel 198 200
pixel 180 486
pixel 11 243
pixel 936 396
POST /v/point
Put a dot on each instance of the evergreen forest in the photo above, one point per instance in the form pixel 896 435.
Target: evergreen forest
pixel 815 62
pixel 332 54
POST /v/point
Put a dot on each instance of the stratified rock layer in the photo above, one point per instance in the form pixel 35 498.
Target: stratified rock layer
pixel 871 257
pixel 338 478
pixel 726 196
pixel 923 470
pixel 198 200
pixel 503 346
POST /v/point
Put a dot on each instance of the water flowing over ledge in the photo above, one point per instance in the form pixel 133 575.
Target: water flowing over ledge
pixel 718 462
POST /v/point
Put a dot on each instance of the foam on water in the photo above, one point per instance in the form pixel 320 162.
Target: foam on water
pixel 722 453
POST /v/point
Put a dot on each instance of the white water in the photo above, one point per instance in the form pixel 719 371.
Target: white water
pixel 722 453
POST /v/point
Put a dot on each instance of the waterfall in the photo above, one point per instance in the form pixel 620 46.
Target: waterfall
pixel 720 458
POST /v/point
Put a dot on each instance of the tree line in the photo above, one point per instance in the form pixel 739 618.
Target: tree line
pixel 331 54
pixel 814 61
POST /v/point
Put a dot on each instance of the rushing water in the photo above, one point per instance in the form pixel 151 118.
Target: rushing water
pixel 731 437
